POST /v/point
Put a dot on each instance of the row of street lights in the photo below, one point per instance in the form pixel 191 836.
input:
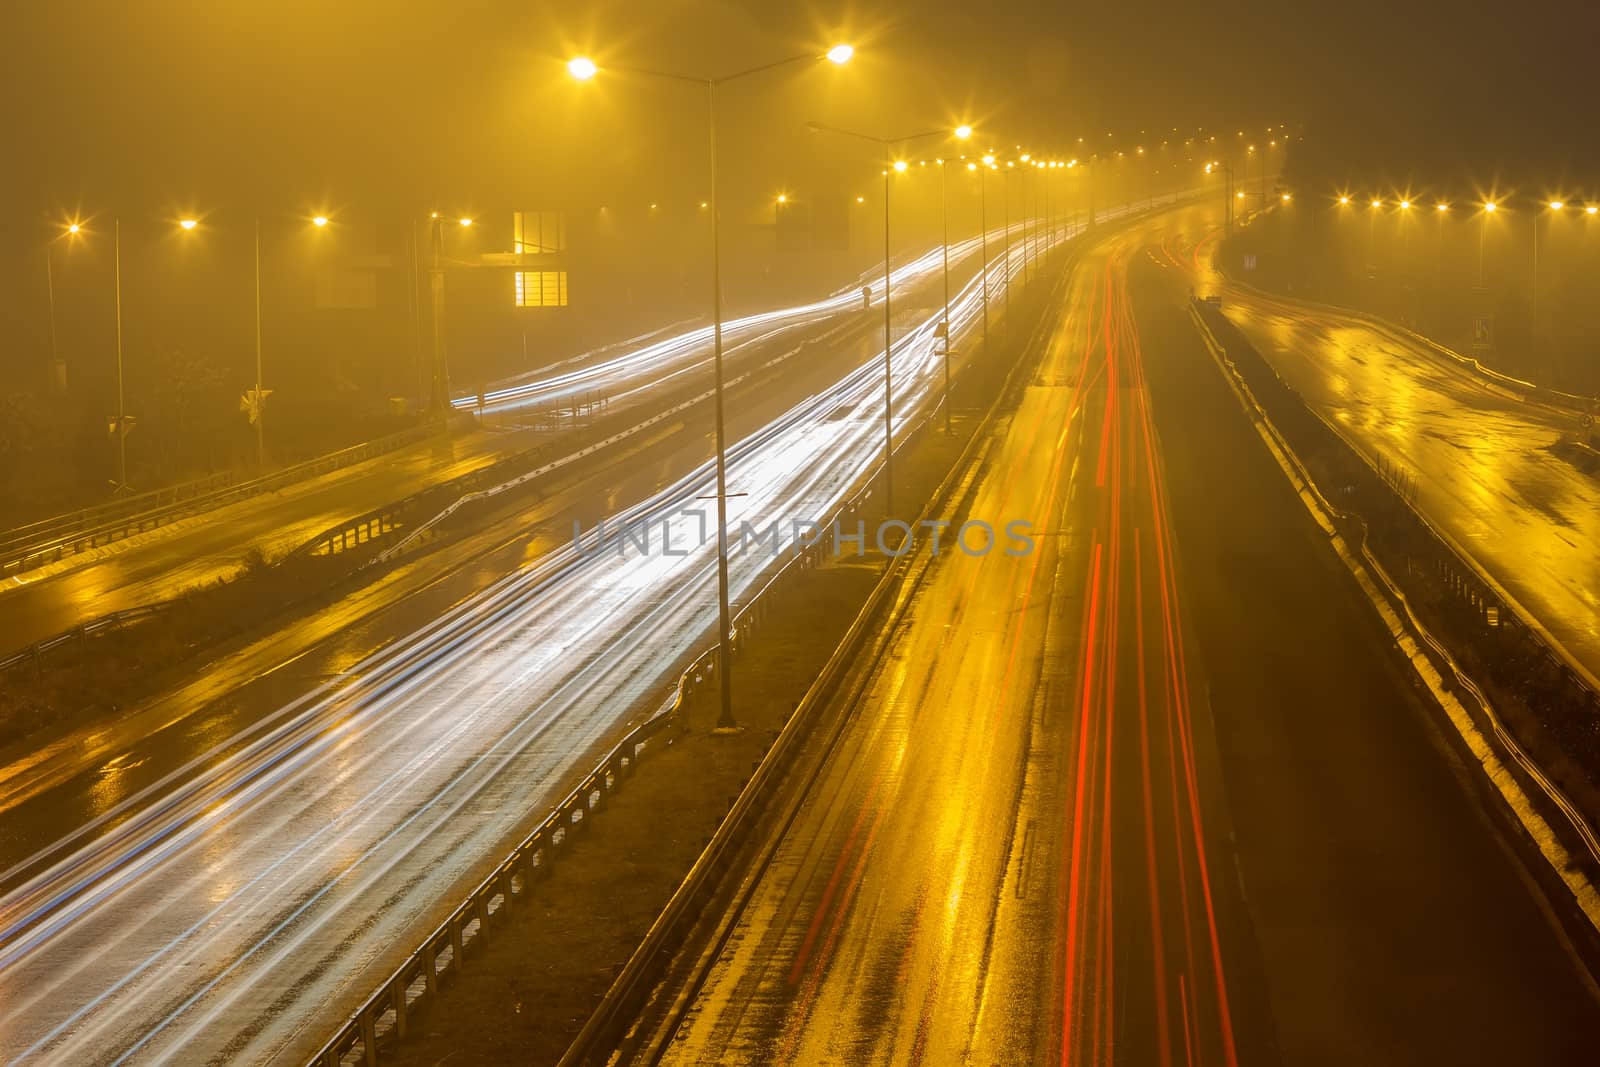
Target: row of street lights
pixel 1486 209
pixel 77 230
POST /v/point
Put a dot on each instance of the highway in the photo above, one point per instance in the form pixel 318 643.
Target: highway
pixel 242 900
pixel 1130 797
pixel 164 562
pixel 1486 474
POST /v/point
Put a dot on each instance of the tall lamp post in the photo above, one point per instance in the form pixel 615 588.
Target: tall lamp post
pixel 122 415
pixel 583 69
pixel 1227 191
pixel 962 132
pixel 1489 208
pixel 891 166
pixel 58 370
pixel 441 368
pixel 983 241
pixel 256 408
pixel 1555 207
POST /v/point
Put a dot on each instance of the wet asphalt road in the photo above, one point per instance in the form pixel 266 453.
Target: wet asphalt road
pixel 1481 456
pixel 1157 793
pixel 226 870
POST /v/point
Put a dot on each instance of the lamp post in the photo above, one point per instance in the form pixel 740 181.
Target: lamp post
pixel 983 239
pixel 1555 207
pixel 1372 233
pixel 56 371
pixel 1489 208
pixel 890 166
pixel 1440 210
pixel 256 408
pixel 962 132
pixel 1227 191
pixel 441 367
pixel 258 403
pixel 122 418
pixel 584 69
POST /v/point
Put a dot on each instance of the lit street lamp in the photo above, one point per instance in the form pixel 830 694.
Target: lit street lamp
pixel 1555 207
pixel 898 167
pixel 584 69
pixel 1227 191
pixel 962 132
pixel 58 369
pixel 983 238
pixel 1489 208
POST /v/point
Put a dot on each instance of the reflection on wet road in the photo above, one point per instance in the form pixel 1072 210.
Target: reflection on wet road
pixel 1010 857
pixel 1486 473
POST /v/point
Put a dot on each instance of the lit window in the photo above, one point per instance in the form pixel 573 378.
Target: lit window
pixel 541 288
pixel 539 233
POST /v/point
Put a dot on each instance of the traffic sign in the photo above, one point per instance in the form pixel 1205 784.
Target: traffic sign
pixel 251 403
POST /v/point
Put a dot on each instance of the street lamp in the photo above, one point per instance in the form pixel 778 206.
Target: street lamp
pixel 983 238
pixel 122 420
pixel 1489 208
pixel 962 132
pixel 1555 207
pixel 1227 189
pixel 58 369
pixel 256 408
pixel 584 69
pixel 897 166
pixel 440 393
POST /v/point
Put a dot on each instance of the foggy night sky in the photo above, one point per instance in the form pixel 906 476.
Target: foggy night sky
pixel 163 100
pixel 161 107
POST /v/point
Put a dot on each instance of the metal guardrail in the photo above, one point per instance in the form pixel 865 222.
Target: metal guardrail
pixel 1433 649
pixel 412 986
pixel 37 544
pixel 34 652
